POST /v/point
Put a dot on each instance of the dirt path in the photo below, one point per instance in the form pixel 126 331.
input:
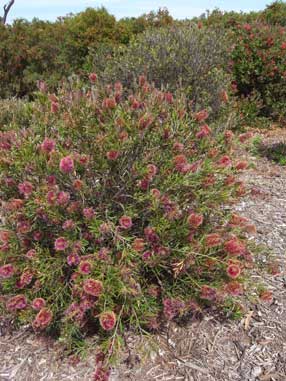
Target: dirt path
pixel 253 349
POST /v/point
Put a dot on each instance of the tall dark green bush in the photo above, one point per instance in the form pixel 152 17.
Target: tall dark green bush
pixel 178 56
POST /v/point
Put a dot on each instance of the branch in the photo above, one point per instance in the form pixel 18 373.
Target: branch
pixel 7 8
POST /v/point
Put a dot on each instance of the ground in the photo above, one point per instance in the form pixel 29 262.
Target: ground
pixel 211 349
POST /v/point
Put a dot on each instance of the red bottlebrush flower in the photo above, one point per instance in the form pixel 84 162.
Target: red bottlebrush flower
pixel 195 220
pixel 152 171
pixel 283 45
pixel 51 180
pixel 241 165
pixel 145 121
pixel 169 97
pixel 125 222
pixel 43 319
pixel 209 180
pixel 55 107
pixel 118 86
pixel 143 184
pixel 208 293
pixel 67 164
pixel 179 147
pixel 48 145
pixel 84 267
pixel 38 304
pixel 23 227
pixel 224 161
pixel 181 164
pixel 104 254
pixel 234 288
pixel 63 198
pixel 155 193
pixel 26 188
pixel 162 251
pixel 88 213
pixel 228 136
pixel 18 302
pixel 15 204
pixel 266 296
pixel 244 137
pixel 107 320
pixel 203 132
pixel 68 225
pixel 250 229
pixel 123 136
pixel 93 287
pixel 180 160
pixel 51 197
pixel 237 220
pixel 61 244
pixel 201 115
pixel 73 259
pixel 233 271
pixel 147 255
pixel 92 77
pixel 5 236
pixel 112 155
pixel 173 308
pixel 109 103
pixel 135 105
pixel 7 271
pixel 200 25
pixel 101 374
pixel 138 244
pixel 83 160
pixel 230 180
pixel 105 228
pixel 224 96
pixel 37 236
pixel 234 247
pixel 26 278
pixel 247 27
pixel 77 184
pixel 31 254
pixel 151 235
pixel 213 240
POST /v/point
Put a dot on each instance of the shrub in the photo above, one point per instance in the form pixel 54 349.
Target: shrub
pixel 258 64
pixel 275 13
pixel 113 214
pixel 14 112
pixel 177 56
pixel 52 51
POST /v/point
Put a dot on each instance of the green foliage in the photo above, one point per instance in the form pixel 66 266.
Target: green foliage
pixel 275 152
pixel 175 57
pixel 259 66
pixel 52 51
pixel 113 214
pixel 275 13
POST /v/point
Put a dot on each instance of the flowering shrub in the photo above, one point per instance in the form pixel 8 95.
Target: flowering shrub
pixel 177 56
pixel 259 66
pixel 113 214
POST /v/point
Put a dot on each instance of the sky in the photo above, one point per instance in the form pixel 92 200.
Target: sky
pixel 51 9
